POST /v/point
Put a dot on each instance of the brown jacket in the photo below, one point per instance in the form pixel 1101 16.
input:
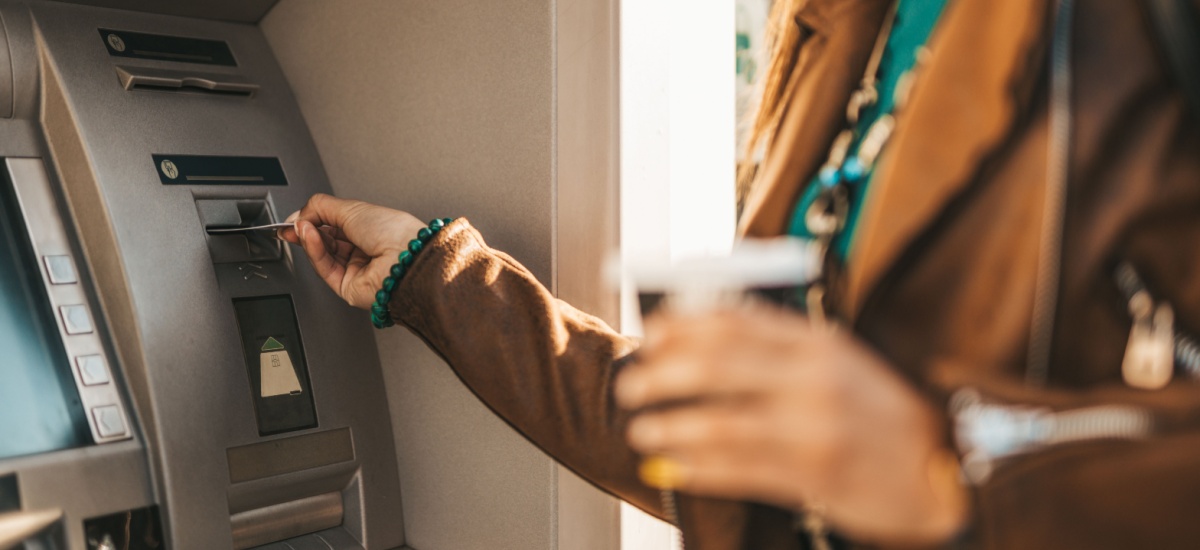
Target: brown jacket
pixel 940 279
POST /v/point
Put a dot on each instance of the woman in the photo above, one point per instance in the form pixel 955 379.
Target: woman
pixel 921 143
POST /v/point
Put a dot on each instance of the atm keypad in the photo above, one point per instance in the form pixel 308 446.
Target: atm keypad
pixel 92 370
pixel 60 269
pixel 76 319
pixel 109 421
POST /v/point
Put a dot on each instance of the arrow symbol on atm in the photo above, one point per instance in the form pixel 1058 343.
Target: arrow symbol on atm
pixel 272 345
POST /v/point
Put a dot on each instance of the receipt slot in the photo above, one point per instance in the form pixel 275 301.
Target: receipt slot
pixel 275 362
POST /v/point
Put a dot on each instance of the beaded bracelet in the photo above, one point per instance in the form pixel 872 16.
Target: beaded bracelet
pixel 381 317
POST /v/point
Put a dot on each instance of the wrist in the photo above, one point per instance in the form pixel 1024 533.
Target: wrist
pixel 381 315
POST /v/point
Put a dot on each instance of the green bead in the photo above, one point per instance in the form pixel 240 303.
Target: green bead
pixel 379 309
pixel 383 297
pixel 375 320
pixel 447 221
pixel 436 225
pixel 406 259
pixel 424 234
pixel 415 246
pixel 389 284
pixel 397 271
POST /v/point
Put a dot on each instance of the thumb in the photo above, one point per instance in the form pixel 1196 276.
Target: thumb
pixel 327 267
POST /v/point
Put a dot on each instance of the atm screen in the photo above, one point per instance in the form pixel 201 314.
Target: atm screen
pixel 40 409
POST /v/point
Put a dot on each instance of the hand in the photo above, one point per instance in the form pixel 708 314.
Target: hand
pixel 351 244
pixel 761 406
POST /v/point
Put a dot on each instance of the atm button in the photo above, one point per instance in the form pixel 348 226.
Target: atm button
pixel 61 270
pixel 109 421
pixel 76 319
pixel 92 370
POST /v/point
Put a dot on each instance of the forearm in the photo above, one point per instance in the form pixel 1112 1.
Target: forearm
pixel 543 366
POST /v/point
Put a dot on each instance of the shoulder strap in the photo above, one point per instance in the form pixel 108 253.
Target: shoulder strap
pixel 1176 23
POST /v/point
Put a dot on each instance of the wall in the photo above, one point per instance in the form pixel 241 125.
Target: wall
pixel 502 111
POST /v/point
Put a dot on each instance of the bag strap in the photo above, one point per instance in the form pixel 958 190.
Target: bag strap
pixel 1176 24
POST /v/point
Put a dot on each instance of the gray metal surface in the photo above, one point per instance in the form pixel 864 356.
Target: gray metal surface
pixel 242 11
pixel 80 334
pixel 170 307
pixel 85 482
pixel 286 520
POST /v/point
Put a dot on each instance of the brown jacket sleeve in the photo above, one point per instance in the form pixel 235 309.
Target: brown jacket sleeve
pixel 541 365
pixel 547 370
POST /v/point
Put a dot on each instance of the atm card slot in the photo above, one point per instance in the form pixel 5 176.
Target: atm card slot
pixel 231 230
pixel 273 227
pixel 168 80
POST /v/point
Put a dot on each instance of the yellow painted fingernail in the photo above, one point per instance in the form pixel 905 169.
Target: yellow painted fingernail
pixel 661 472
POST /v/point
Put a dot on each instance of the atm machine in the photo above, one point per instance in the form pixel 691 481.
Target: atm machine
pixel 160 386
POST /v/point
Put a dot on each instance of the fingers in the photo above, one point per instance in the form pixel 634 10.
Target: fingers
pixel 721 355
pixel 688 429
pixel 323 261
pixel 324 209
pixel 289 234
pixel 722 454
pixel 686 376
pixel 734 476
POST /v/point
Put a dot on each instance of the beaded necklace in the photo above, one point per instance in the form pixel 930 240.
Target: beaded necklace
pixel 827 209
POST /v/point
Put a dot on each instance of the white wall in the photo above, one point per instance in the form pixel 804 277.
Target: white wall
pixel 677 154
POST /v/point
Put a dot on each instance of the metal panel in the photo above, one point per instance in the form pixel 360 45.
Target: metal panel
pixel 101 402
pixel 170 307
pixel 242 11
pixel 85 482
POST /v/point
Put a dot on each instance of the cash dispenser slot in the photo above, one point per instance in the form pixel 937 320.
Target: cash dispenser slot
pixel 287 520
pixel 245 247
pixel 314 508
pixel 171 80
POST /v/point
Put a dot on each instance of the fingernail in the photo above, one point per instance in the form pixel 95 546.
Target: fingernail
pixel 661 472
pixel 302 229
pixel 292 216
